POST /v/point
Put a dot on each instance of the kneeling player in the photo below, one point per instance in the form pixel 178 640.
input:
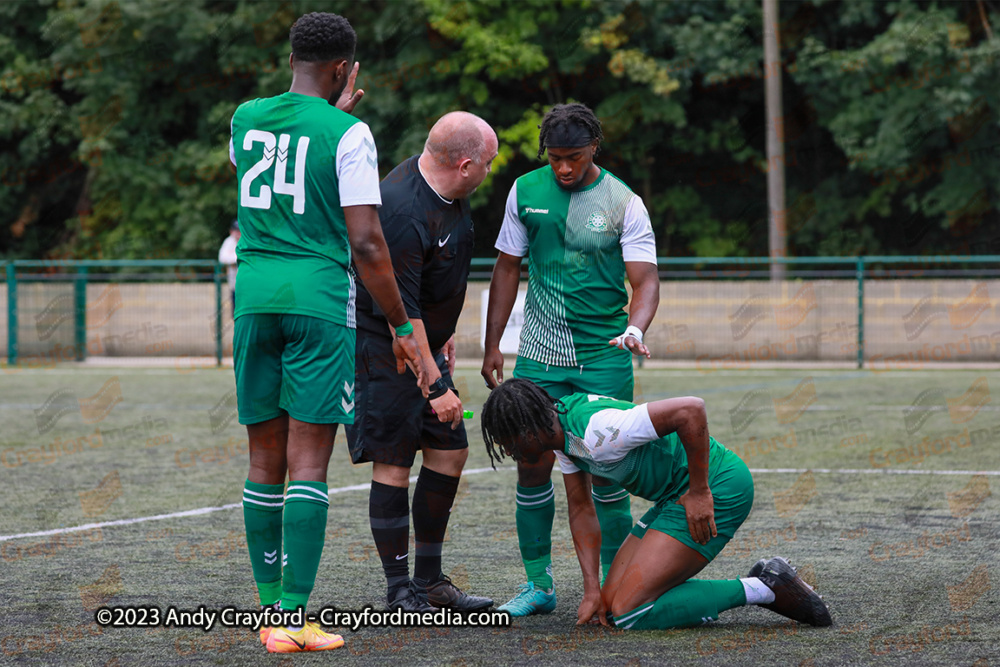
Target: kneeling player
pixel 660 451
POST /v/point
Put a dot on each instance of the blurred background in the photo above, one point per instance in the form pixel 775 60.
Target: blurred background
pixel 114 128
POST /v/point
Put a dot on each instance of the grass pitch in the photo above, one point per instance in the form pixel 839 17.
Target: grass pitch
pixel 866 480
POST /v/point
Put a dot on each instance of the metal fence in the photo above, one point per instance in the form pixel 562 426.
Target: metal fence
pixel 883 312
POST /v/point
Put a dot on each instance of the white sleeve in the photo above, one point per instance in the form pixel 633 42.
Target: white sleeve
pixel 638 243
pixel 565 464
pixel 612 433
pixel 357 167
pixel 232 150
pixel 513 237
pixel 227 253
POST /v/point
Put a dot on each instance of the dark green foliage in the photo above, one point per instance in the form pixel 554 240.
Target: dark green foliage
pixel 114 116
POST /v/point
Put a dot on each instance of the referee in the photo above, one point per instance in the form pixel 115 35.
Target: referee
pixel 428 229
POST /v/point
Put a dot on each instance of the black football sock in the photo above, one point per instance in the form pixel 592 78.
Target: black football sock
pixel 389 513
pixel 432 501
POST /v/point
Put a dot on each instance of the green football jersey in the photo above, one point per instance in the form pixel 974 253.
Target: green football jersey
pixel 576 268
pixel 610 446
pixel 293 254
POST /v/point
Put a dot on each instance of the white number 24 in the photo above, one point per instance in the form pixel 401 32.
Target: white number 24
pixel 297 189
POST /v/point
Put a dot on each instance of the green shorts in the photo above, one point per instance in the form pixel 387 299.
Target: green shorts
pixel 611 376
pixel 297 365
pixel 732 494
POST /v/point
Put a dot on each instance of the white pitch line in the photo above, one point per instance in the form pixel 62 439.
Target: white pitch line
pixel 876 471
pixel 198 512
pixel 475 471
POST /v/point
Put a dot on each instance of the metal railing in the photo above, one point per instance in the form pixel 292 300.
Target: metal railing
pixel 728 306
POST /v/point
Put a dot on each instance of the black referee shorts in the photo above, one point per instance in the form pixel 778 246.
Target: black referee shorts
pixel 392 419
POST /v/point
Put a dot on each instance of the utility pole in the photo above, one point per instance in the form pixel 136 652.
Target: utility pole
pixel 775 122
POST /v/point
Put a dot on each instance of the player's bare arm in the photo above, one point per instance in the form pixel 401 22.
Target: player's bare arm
pixel 645 283
pixel 503 293
pixel 447 407
pixel 586 533
pixel 686 416
pixel 371 257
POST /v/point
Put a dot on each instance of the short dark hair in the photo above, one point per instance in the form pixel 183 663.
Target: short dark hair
pixel 569 114
pixel 514 409
pixel 322 37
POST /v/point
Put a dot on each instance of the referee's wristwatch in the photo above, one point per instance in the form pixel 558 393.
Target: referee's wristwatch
pixel 438 388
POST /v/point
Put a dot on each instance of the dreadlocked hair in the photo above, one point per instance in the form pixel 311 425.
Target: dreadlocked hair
pixel 514 409
pixel 322 37
pixel 569 114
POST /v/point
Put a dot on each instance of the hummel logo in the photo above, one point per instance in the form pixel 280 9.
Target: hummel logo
pixel 443 241
pixel 401 557
pixel 268 154
pixel 348 388
pixel 528 209
pixel 270 557
pixel 347 406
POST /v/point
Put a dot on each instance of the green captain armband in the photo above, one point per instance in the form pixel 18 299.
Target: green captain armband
pixel 404 329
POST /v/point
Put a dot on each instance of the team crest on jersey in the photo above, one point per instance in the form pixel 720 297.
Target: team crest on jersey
pixel 598 222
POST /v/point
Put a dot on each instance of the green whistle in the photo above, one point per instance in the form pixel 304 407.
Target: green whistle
pixel 466 414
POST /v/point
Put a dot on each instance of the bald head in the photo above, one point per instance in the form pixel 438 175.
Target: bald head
pixel 458 154
pixel 457 136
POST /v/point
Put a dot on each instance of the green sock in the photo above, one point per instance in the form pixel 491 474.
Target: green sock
pixel 262 505
pixel 614 512
pixel 693 603
pixel 304 524
pixel 536 508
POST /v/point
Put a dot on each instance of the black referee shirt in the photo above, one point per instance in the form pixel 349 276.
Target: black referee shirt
pixel 430 242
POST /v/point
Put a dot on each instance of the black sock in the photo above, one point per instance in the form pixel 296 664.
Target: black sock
pixel 432 501
pixel 389 514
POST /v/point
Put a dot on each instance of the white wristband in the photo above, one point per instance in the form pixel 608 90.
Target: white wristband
pixel 630 330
